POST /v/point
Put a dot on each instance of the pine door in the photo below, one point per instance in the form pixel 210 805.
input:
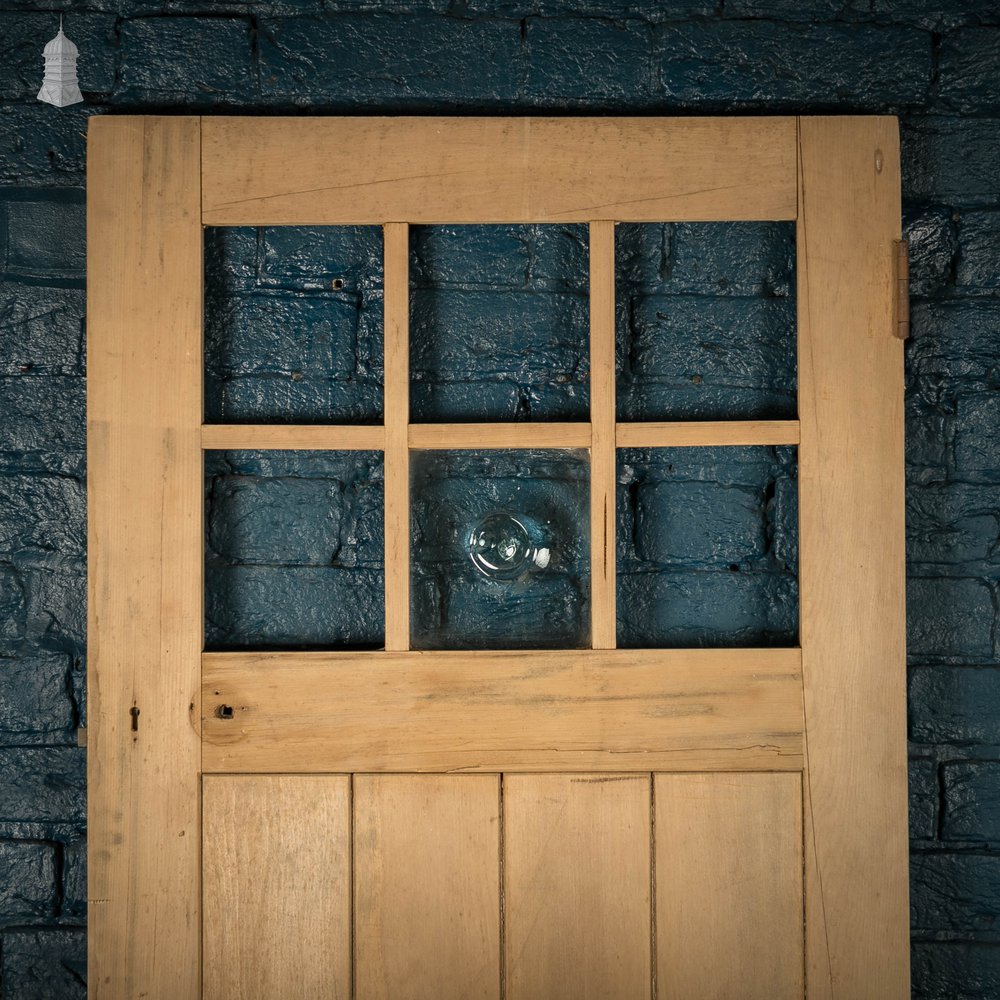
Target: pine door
pixel 531 824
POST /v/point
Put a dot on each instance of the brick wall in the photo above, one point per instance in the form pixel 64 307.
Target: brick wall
pixel 937 64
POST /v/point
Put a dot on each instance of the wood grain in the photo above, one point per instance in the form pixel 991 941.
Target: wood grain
pixel 437 170
pixel 513 435
pixel 306 437
pixel 577 886
pixel 144 624
pixel 556 710
pixel 603 457
pixel 277 863
pixel 427 872
pixel 707 434
pixel 852 560
pixel 397 418
pixel 728 866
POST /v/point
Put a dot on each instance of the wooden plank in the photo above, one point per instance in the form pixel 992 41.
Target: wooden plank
pixel 144 631
pixel 728 879
pixel 277 863
pixel 708 434
pixel 429 437
pixel 852 574
pixel 427 872
pixel 425 170
pixel 577 886
pixel 397 418
pixel 307 437
pixel 603 457
pixel 682 709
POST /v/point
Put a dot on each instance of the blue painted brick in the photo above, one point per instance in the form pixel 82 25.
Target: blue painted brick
pixel 733 258
pixel 688 357
pixel 292 398
pixel 955 892
pixel 512 342
pixel 950 159
pixel 470 256
pixel 951 523
pixel 972 801
pixel 44 784
pixel 955 345
pixel 347 259
pixel 35 702
pixel 750 64
pixel 282 334
pixel 25 34
pixel 930 231
pixel 44 965
pixel 74 899
pixel 190 60
pixel 307 606
pixel 955 971
pixel 42 234
pixel 42 413
pixel 57 604
pixel 702 523
pixel 559 258
pixel 406 61
pixel 969 73
pixel 40 147
pixel 933 14
pixel 952 704
pixel 977 443
pixel 950 618
pixel 929 433
pixel 41 330
pixel 289 521
pixel 923 798
pixel 588 61
pixel 12 606
pixel 231 262
pixel 42 514
pixel 714 608
pixel 643 257
pixel 27 882
pixel 978 266
pixel 793 10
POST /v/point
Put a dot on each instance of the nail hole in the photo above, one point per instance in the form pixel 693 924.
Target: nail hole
pixel 337 284
pixel 224 711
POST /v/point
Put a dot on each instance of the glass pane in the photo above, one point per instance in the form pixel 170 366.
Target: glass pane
pixel 707 547
pixel 293 325
pixel 706 321
pixel 500 548
pixel 295 550
pixel 499 323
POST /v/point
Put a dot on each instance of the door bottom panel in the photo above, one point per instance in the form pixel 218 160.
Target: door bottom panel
pixel 618 886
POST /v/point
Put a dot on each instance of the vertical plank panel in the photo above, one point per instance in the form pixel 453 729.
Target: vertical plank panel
pixel 602 418
pixel 277 875
pixel 577 886
pixel 852 561
pixel 397 418
pixel 427 878
pixel 144 476
pixel 729 886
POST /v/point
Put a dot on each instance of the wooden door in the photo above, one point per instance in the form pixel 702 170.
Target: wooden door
pixel 610 823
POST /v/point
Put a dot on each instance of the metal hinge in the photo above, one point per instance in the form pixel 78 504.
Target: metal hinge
pixel 901 255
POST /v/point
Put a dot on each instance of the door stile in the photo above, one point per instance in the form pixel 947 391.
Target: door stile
pixel 852 571
pixel 396 417
pixel 144 478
